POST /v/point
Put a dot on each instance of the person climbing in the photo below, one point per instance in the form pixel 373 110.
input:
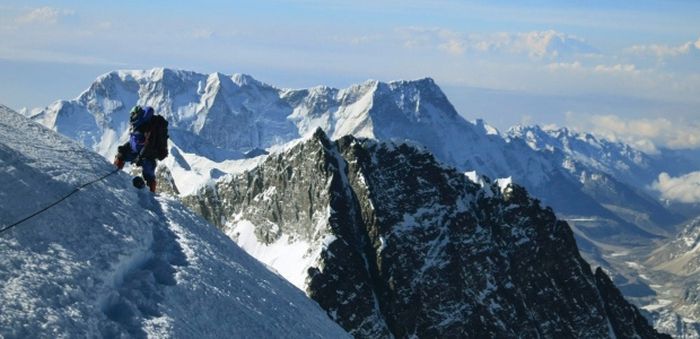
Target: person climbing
pixel 148 142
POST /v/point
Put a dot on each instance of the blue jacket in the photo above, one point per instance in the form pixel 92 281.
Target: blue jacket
pixel 137 139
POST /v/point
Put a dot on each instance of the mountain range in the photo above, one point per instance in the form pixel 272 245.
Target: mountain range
pixel 221 118
pixel 603 189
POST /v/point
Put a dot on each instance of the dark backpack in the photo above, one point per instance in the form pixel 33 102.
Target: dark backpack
pixel 158 141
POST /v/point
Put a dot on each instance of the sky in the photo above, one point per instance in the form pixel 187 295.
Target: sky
pixel 627 70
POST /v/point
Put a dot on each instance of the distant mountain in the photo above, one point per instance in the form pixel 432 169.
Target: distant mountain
pixel 112 262
pixel 573 148
pixel 613 174
pixel 393 243
pixel 215 118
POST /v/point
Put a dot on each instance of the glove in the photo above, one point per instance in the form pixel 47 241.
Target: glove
pixel 118 162
pixel 138 161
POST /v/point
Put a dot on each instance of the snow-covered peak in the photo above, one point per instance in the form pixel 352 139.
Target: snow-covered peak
pixel 426 87
pixel 253 114
pixel 569 140
pixel 588 151
pixel 111 261
pixel 246 80
pixel 484 127
pixel 539 138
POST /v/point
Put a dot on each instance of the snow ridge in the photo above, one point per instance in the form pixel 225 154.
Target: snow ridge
pixel 111 261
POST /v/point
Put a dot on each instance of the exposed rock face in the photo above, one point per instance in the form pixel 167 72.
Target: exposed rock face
pixel 625 319
pixel 395 243
pixel 166 184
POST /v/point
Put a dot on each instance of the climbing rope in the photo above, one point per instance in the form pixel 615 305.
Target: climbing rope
pixel 59 200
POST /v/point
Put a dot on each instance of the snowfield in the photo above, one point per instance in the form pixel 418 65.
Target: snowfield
pixel 111 261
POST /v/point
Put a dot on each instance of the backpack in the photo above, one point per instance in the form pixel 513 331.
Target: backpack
pixel 158 141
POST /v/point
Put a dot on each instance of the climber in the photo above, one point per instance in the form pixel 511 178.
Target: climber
pixel 148 141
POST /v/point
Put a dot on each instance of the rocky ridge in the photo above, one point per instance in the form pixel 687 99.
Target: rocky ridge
pixel 398 244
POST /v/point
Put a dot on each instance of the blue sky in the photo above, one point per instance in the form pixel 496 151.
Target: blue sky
pixel 578 63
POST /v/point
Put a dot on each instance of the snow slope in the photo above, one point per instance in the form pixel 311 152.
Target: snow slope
pixel 110 261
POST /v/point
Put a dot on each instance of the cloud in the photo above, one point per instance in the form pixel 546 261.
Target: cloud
pixel 43 15
pixel 685 188
pixel 526 120
pixel 361 40
pixel 616 69
pixel 104 25
pixel 443 39
pixel 358 40
pixel 536 44
pixel 202 33
pixel 453 46
pixel 577 66
pixel 665 51
pixel 568 66
pixel 644 134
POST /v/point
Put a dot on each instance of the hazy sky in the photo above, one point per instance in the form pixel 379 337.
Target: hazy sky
pixel 630 69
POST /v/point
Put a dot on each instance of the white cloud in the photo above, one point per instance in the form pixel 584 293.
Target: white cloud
pixel 443 39
pixel 202 33
pixel 645 134
pixel 664 51
pixel 685 188
pixel 569 66
pixel 536 44
pixel 618 68
pixel 526 120
pixel 43 15
pixel 104 25
pixel 453 46
pixel 359 40
pixel 577 66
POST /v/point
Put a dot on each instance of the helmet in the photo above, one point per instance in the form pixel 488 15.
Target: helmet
pixel 136 114
pixel 140 115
